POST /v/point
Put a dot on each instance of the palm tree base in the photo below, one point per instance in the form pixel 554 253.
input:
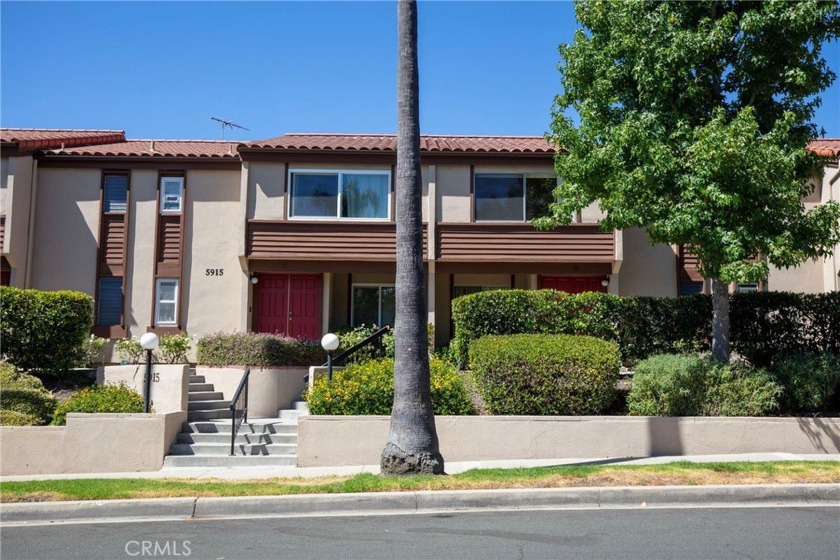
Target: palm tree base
pixel 396 461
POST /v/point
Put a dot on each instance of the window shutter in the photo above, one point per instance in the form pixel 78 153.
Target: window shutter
pixel 116 193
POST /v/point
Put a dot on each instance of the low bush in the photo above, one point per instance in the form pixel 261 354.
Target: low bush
pixel 129 350
pixel 545 374
pixel 811 382
pixel 173 348
pixel 44 331
pixel 100 399
pixel 23 399
pixel 351 336
pixel 765 327
pixel 257 350
pixel 92 351
pixel 689 385
pixel 368 388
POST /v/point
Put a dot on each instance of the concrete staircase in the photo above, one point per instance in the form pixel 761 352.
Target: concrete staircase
pixel 204 440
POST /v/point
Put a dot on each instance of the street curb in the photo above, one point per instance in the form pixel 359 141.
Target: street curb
pixel 424 502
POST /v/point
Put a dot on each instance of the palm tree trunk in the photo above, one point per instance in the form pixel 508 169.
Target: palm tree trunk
pixel 720 320
pixel 412 446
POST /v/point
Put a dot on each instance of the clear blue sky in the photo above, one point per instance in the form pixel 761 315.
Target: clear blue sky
pixel 163 69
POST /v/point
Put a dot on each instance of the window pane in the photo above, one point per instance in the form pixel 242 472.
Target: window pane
pixel 314 195
pixel 539 193
pixel 389 306
pixel 116 193
pixel 364 196
pixel 365 306
pixel 171 195
pixel 166 290
pixel 109 307
pixel 459 291
pixel 499 197
pixel 166 313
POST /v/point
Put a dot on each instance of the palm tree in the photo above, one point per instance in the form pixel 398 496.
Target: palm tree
pixel 412 446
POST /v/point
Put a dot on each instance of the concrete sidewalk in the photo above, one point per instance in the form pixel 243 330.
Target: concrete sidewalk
pixel 255 473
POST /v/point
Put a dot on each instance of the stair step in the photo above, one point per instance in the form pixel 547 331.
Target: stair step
pixel 201 387
pixel 209 405
pixel 289 414
pixel 197 379
pixel 246 437
pixel 220 449
pixel 223 427
pixel 301 405
pixel 228 461
pixel 205 396
pixel 199 415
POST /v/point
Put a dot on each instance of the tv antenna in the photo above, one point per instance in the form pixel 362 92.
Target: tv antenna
pixel 228 124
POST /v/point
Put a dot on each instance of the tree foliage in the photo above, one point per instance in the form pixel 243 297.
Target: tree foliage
pixel 694 123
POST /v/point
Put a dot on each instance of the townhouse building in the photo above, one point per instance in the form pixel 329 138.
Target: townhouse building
pixel 296 234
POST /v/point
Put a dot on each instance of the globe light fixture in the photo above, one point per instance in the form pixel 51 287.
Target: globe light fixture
pixel 149 342
pixel 329 342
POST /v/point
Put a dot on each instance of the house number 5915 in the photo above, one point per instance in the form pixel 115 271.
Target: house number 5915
pixel 214 272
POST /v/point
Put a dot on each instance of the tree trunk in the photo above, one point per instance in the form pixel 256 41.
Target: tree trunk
pixel 412 446
pixel 720 320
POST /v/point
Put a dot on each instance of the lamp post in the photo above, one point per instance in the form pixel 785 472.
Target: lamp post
pixel 149 342
pixel 329 343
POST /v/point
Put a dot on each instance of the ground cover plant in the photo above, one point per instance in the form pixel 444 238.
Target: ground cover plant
pixel 679 473
pixel 23 399
pixel 689 385
pixel 368 388
pixel 100 399
pixel 545 374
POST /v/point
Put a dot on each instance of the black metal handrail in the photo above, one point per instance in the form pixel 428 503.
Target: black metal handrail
pixel 239 408
pixel 375 338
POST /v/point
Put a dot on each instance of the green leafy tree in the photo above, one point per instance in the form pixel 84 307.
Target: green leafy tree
pixel 694 123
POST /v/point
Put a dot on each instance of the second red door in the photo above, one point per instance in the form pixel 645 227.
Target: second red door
pixel 288 304
pixel 572 284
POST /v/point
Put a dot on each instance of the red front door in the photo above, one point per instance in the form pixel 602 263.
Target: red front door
pixel 572 284
pixel 288 304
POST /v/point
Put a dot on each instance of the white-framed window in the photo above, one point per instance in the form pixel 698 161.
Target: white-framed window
pixel 749 287
pixel 373 304
pixel 512 197
pixel 339 194
pixel 171 195
pixel 166 302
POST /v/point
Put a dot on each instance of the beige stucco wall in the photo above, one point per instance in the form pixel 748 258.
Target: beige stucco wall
pixel 91 443
pixel 212 303
pixel 66 230
pixel 647 270
pixel 142 217
pixel 806 278
pixel 15 197
pixel 453 193
pixel 265 190
pixel 358 440
pixel 269 389
pixel 169 387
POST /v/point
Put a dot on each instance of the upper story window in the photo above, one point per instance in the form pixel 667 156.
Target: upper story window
pixel 166 302
pixel 512 197
pixel 171 195
pixel 340 194
pixel 116 194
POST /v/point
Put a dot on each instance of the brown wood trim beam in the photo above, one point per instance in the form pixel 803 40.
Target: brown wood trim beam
pixel 116 331
pixel 524 267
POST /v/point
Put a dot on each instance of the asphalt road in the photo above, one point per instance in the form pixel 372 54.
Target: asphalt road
pixel 761 533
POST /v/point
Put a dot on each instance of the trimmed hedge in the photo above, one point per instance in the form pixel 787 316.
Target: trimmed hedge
pixel 44 331
pixel 257 350
pixel 811 382
pixel 101 399
pixel 765 326
pixel 23 399
pixel 545 374
pixel 368 388
pixel 687 385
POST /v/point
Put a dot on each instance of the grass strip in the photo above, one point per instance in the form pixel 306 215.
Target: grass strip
pixel 678 474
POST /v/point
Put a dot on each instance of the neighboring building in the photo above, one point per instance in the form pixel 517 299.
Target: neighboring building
pixel 296 234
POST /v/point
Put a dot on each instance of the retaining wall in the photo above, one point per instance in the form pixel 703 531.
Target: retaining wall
pixel 359 440
pixel 269 389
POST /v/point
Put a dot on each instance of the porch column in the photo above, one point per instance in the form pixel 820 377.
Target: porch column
pixel 326 298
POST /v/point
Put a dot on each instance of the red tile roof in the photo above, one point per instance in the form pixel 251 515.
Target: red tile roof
pixel 388 143
pixel 156 149
pixel 826 146
pixel 30 139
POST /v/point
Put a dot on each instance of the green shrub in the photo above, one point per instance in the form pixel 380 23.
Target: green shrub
pixel 349 337
pixel 764 326
pixel 173 348
pixel 100 399
pixel 687 385
pixel 257 350
pixel 130 350
pixel 25 396
pixel 545 374
pixel 44 331
pixel 368 388
pixel 12 418
pixel 92 351
pixel 811 382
